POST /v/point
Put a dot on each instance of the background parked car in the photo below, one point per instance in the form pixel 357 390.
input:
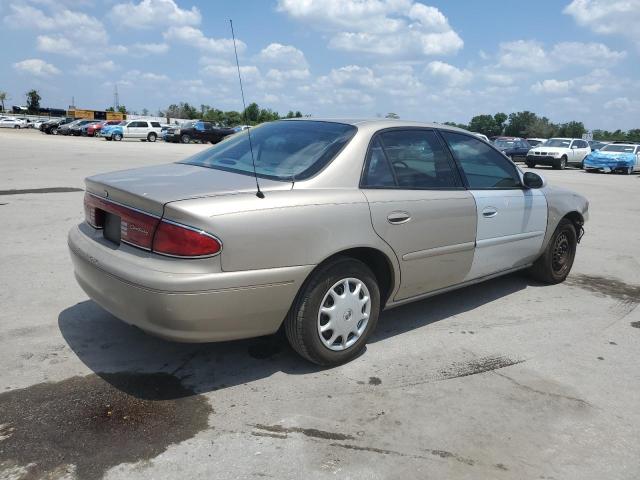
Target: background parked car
pixel 65 129
pixel 11 123
pixel 93 130
pixel 559 152
pixel 76 130
pixel 597 145
pixel 51 127
pixel 204 132
pixel 136 129
pixel 534 142
pixel 482 136
pixel 513 147
pixel 615 157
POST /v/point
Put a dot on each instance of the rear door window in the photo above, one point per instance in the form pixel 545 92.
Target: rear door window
pixel 410 159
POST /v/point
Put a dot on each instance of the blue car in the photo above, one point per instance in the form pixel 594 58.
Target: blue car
pixel 109 132
pixel 614 157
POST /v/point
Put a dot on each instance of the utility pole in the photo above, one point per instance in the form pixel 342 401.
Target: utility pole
pixel 116 98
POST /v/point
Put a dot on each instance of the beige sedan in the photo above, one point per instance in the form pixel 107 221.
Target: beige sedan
pixel 317 225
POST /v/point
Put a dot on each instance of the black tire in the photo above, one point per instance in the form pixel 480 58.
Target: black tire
pixel 531 164
pixel 560 164
pixel 301 323
pixel 117 137
pixel 185 138
pixel 108 139
pixel 628 171
pixel 54 131
pixel 554 265
pixel 152 137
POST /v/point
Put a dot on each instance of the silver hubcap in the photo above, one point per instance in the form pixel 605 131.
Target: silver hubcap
pixel 344 314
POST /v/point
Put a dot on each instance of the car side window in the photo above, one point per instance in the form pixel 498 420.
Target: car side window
pixel 418 159
pixel 155 124
pixel 378 173
pixel 483 166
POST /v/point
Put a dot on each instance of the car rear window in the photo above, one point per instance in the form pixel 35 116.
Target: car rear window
pixel 283 150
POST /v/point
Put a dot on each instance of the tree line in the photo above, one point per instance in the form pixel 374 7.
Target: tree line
pixel 529 125
pixel 252 115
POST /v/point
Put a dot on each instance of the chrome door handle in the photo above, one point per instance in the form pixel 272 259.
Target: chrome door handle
pixel 396 218
pixel 489 212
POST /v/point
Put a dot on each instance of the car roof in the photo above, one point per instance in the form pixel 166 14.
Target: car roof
pixel 379 123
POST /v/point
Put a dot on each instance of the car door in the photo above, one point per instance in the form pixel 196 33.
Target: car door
pixel 574 152
pixel 420 208
pixel 133 129
pixel 511 220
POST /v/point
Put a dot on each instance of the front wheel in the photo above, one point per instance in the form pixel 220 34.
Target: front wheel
pixel 555 263
pixel 334 313
pixel 531 164
pixel 560 164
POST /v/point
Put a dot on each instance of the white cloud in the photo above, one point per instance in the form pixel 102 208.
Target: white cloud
pixel 586 54
pixel 194 37
pixel 96 69
pixel 608 17
pixel 278 54
pixel 384 27
pixel 74 24
pixel 523 55
pixel 141 49
pixel 285 75
pixel 499 79
pixel 452 75
pixel 153 13
pixel 552 86
pixel 37 67
pixel 228 71
pixel 134 75
pixel 622 103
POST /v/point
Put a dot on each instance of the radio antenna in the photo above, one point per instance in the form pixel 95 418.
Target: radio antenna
pixel 259 193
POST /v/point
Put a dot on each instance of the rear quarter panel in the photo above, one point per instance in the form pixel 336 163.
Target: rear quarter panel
pixel 286 228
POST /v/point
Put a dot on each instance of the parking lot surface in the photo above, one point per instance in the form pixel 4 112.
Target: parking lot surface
pixel 508 379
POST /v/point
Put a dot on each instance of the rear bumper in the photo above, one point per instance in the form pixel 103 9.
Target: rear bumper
pixel 187 307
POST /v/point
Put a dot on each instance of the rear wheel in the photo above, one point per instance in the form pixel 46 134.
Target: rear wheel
pixel 555 263
pixel 628 171
pixel 531 164
pixel 152 137
pixel 334 313
pixel 185 138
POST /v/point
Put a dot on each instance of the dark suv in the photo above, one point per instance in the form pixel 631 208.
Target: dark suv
pixel 197 130
pixel 513 147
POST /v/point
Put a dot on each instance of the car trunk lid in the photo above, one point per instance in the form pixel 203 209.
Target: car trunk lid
pixel 150 188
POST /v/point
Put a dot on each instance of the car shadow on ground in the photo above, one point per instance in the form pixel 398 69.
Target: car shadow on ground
pixel 114 350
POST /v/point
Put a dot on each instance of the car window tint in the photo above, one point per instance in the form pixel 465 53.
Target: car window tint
pixel 418 159
pixel 155 124
pixel 483 166
pixel 378 173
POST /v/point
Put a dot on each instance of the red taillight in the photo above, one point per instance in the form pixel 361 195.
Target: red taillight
pixel 136 227
pixel 182 241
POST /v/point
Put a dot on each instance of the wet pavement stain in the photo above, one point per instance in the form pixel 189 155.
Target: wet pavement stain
pixel 383 451
pixel 476 366
pixel 309 432
pixel 635 324
pixel 374 381
pixel 89 423
pixel 610 287
pixel 41 190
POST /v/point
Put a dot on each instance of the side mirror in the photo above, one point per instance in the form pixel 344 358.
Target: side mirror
pixel 533 180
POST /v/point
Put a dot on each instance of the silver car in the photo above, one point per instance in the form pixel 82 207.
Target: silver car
pixel 340 220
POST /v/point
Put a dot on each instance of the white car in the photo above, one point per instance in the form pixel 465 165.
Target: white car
pixel 136 129
pixel 11 123
pixel 559 152
pixel 482 136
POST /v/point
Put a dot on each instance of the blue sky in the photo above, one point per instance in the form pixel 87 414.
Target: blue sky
pixel 430 60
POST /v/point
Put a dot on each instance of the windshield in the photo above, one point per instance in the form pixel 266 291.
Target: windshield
pixel 283 150
pixel 533 143
pixel 505 143
pixel 618 148
pixel 557 142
